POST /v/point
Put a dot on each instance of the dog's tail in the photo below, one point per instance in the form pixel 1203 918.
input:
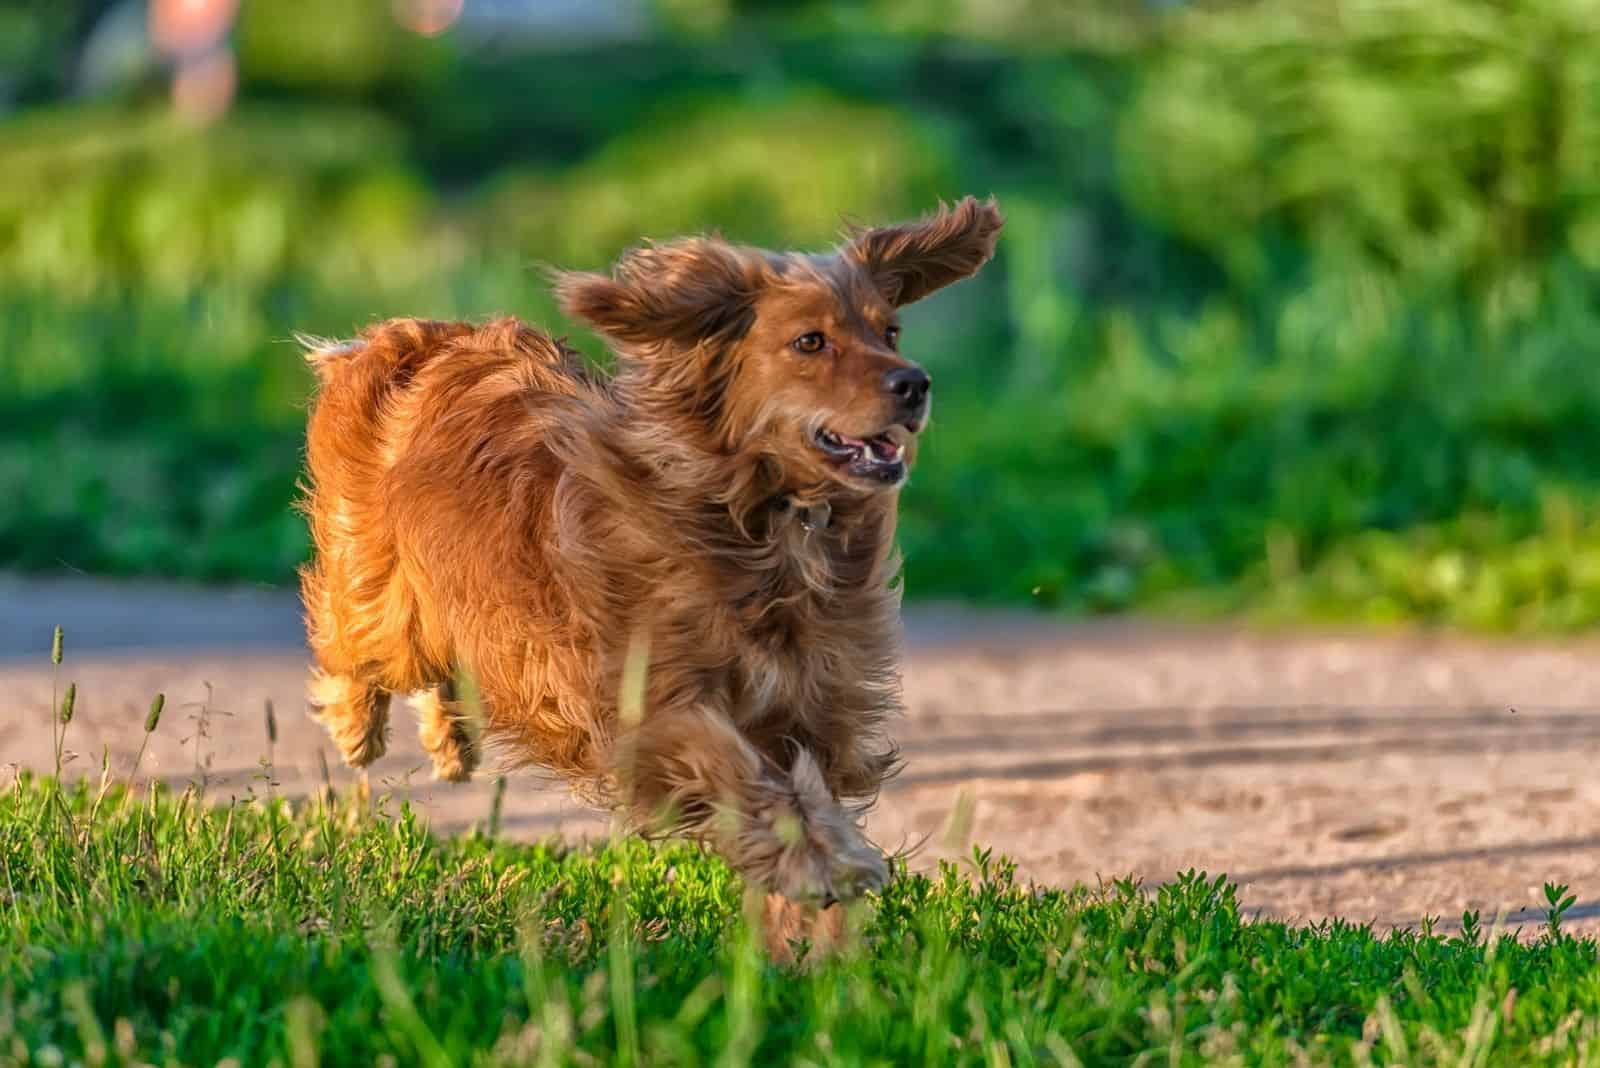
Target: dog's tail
pixel 393 349
pixel 321 351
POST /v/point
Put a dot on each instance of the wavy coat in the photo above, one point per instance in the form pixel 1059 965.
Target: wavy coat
pixel 657 584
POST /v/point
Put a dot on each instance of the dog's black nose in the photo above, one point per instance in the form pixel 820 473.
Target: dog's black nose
pixel 909 385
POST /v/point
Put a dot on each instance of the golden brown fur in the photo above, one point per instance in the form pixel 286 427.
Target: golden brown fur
pixel 485 509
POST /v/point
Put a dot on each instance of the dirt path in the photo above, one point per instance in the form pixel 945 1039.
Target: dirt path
pixel 1368 777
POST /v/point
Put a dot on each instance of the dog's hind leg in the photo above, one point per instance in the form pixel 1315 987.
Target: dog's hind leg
pixel 355 712
pixel 447 733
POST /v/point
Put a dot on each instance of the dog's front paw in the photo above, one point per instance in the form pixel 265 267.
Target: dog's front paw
pixel 808 847
pixel 854 868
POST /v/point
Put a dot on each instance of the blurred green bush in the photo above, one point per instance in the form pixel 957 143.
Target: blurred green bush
pixel 1445 141
pixel 1293 313
pixel 777 175
pixel 117 201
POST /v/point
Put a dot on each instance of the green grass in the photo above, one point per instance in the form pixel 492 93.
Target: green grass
pixel 157 928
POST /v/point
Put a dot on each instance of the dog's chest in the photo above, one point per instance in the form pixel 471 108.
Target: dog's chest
pixel 784 669
pixel 805 634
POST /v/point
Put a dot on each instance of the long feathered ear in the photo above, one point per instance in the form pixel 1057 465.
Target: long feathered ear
pixel 686 291
pixel 911 260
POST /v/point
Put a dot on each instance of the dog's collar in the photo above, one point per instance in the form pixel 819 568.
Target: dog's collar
pixel 813 515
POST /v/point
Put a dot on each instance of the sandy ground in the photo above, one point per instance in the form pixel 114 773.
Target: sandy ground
pixel 1376 778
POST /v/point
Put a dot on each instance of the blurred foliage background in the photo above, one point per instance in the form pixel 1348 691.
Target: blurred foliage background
pixel 1295 313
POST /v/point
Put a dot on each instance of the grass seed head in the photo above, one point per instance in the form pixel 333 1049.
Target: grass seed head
pixel 272 724
pixel 55 647
pixel 68 701
pixel 154 718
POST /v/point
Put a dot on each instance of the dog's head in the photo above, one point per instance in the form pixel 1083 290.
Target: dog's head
pixel 792 357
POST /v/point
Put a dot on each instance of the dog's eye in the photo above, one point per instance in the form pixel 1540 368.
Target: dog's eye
pixel 892 336
pixel 810 343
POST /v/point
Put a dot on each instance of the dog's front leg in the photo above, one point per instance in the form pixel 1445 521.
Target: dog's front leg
pixel 693 772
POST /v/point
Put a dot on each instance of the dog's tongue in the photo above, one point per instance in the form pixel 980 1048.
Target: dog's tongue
pixel 884 447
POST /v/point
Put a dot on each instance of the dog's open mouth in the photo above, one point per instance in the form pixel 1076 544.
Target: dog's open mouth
pixel 880 458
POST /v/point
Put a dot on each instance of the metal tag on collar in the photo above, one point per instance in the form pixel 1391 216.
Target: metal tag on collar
pixel 814 516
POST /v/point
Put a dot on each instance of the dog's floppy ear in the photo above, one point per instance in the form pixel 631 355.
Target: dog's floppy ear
pixel 909 261
pixel 686 291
